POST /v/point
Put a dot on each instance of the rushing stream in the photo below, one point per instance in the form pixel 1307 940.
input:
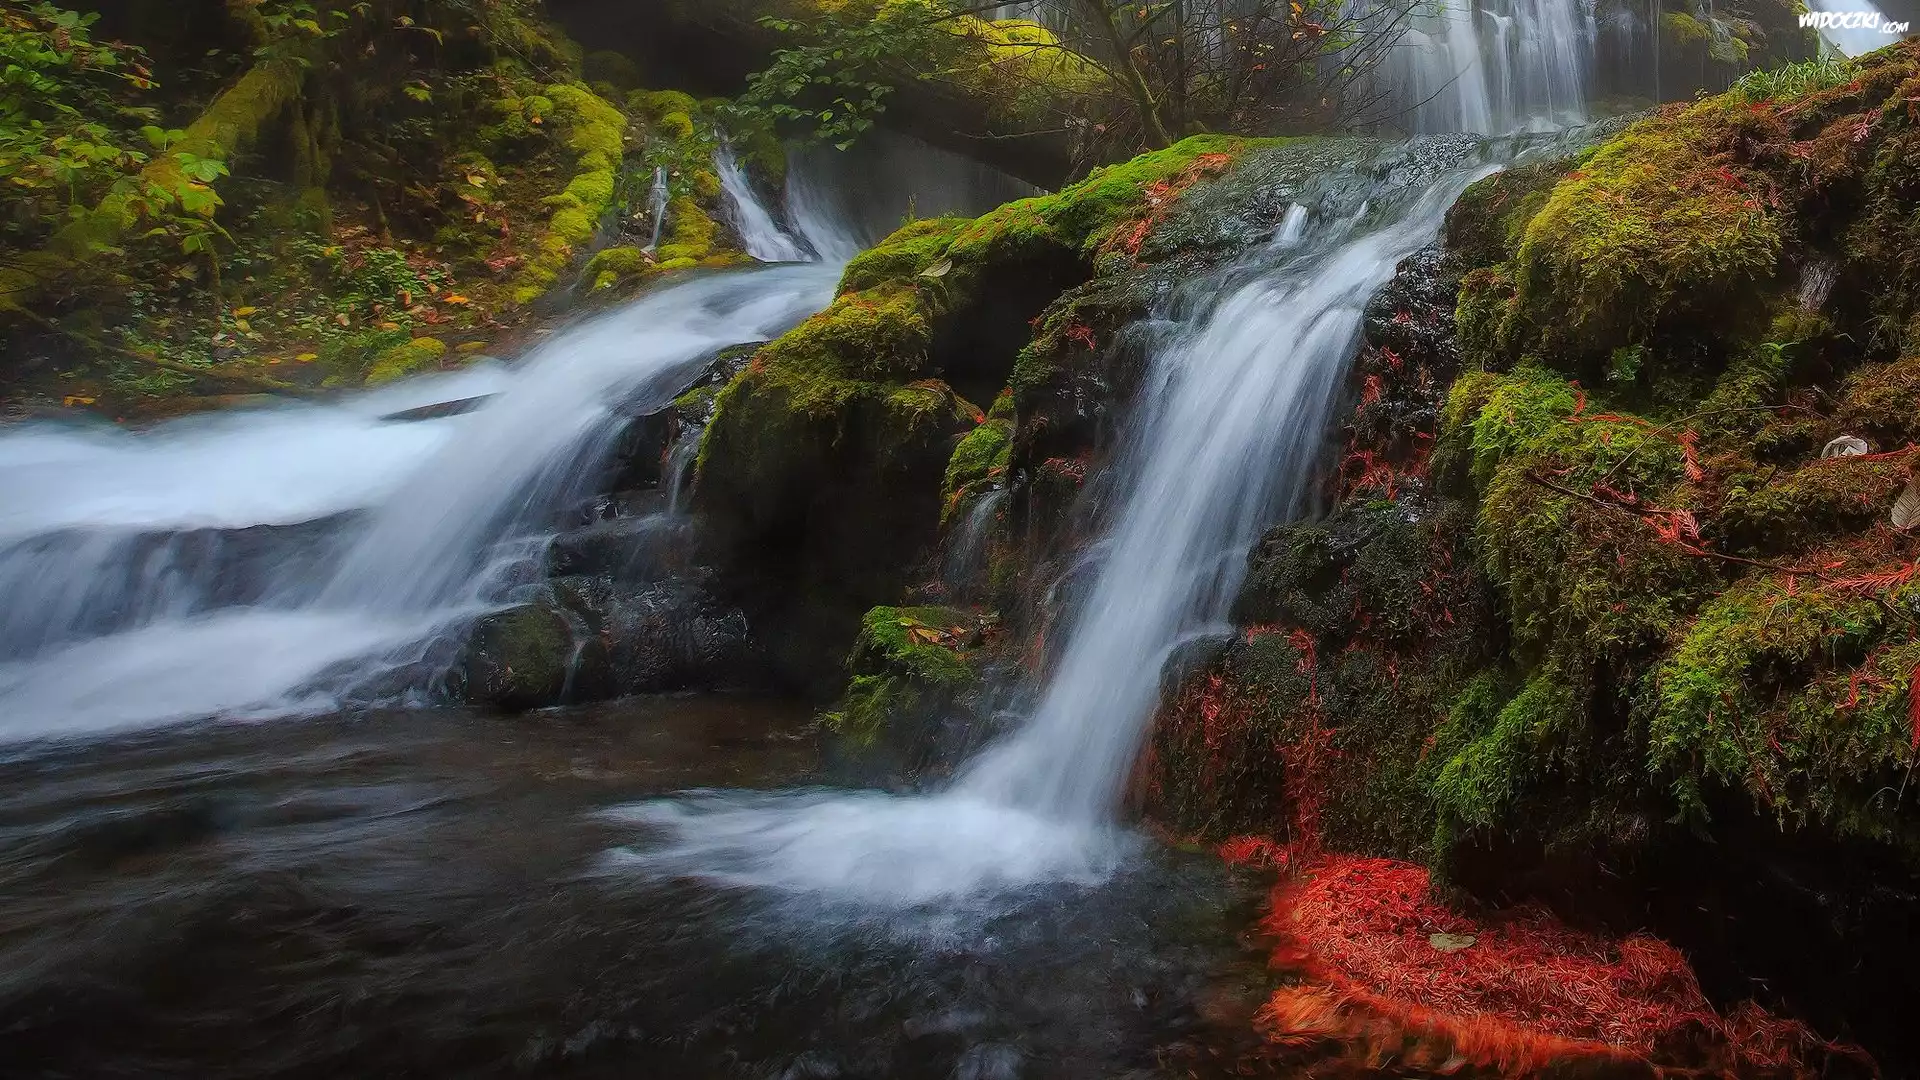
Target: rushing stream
pixel 1229 425
pixel 652 884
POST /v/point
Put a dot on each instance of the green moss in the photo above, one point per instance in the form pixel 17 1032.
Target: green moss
pixel 1681 30
pixel 591 131
pixel 691 234
pixel 610 266
pixel 1507 751
pixel 1487 222
pixel 905 669
pixel 1662 229
pixel 1882 402
pixel 1083 217
pixel 1799 696
pixel 1796 512
pixel 409 359
pixel 981 455
pixel 911 250
pixel 518 658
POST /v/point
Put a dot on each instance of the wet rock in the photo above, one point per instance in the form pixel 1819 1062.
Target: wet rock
pixel 630 550
pixel 517 659
pixel 668 635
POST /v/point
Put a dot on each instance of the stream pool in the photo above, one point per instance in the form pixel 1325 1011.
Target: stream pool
pixel 440 893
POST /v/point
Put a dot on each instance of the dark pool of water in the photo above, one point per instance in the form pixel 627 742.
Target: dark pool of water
pixel 427 894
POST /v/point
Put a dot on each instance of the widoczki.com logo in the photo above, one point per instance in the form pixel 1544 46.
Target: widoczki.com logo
pixel 1851 20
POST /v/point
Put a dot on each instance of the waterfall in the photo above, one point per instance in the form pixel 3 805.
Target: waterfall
pixel 286 560
pixel 358 541
pixel 657 206
pixel 762 238
pixel 1227 429
pixel 1496 66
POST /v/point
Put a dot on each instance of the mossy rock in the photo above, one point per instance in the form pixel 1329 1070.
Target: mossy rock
pixel 418 355
pixel 1663 229
pixel 612 266
pixel 592 133
pixel 518 659
pixel 908 670
pixel 981 455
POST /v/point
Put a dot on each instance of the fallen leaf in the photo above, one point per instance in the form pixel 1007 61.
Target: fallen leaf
pixel 244 311
pixel 75 399
pixel 1451 943
pixel 1906 509
pixel 307 356
pixel 938 269
pixel 454 298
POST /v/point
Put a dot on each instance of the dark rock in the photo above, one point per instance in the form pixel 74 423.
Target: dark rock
pixel 630 550
pixel 668 635
pixel 518 658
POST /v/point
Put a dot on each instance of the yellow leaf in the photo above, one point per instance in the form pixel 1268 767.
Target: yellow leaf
pixel 243 312
pixel 307 356
pixel 454 298
pixel 243 325
pixel 75 399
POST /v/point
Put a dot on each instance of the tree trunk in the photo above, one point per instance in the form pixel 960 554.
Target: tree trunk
pixel 1131 76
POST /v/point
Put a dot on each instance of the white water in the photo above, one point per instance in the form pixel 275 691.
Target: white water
pixel 657 207
pixel 109 627
pixel 763 239
pixel 283 560
pixel 1496 67
pixel 1229 424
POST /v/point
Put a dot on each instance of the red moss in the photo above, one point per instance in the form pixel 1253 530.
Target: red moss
pixel 1526 993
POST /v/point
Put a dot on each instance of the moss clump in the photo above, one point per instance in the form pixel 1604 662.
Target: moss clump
pixel 980 456
pixel 690 234
pixel 1798 694
pixel 1882 402
pixel 1488 222
pixel 409 359
pixel 907 669
pixel 1505 750
pixel 1084 217
pixel 1664 229
pixel 912 250
pixel 1763 513
pixel 592 133
pixel 611 266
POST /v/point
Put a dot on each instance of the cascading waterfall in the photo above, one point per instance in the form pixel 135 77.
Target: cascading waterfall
pixel 1495 67
pixel 286 560
pixel 404 528
pixel 657 206
pixel 763 239
pixel 1228 427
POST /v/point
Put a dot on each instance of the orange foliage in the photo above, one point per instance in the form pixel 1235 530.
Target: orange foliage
pixel 1516 992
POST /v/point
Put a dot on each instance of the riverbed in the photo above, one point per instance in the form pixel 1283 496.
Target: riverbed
pixel 442 893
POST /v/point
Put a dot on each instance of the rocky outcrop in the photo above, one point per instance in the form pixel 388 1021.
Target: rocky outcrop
pixel 1594 619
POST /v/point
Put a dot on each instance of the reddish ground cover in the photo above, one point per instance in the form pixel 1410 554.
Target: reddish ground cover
pixel 1392 972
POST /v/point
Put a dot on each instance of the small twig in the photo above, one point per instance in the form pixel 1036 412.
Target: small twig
pixel 1663 428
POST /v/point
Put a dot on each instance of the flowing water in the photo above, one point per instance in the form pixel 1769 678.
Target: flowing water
pixel 1228 427
pixel 643 885
pixel 423 894
pixel 657 207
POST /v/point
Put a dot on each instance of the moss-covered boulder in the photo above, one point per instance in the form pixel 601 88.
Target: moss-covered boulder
pixel 517 659
pixel 911 671
pixel 823 475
